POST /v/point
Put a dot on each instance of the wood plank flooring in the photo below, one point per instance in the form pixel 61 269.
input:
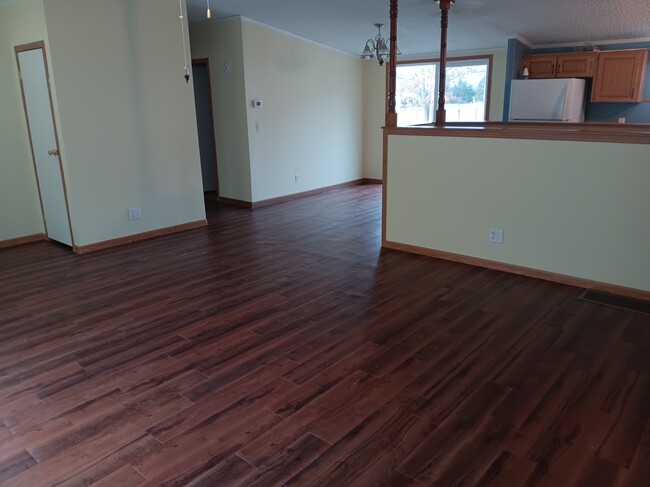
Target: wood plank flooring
pixel 281 347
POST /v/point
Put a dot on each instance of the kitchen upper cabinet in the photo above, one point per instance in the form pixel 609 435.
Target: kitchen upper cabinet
pixel 620 76
pixel 577 65
pixel 564 65
pixel 540 65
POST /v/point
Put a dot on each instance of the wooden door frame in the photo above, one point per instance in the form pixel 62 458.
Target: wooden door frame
pixel 206 62
pixel 33 46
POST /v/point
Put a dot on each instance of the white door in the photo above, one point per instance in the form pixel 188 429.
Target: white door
pixel 44 144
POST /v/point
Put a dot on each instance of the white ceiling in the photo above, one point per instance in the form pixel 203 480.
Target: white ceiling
pixel 473 24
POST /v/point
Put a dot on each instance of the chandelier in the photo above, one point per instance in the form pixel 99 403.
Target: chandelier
pixel 377 48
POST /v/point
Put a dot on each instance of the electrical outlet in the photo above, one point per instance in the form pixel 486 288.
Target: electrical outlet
pixel 296 178
pixel 495 235
pixel 134 214
pixel 258 126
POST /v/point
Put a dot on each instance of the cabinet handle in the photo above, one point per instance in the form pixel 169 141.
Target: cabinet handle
pixel 632 93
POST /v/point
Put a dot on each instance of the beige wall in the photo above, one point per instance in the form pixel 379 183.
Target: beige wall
pixel 375 104
pixel 374 114
pixel 574 208
pixel 20 211
pixel 498 85
pixel 221 42
pixel 114 128
pixel 126 116
pixel 311 121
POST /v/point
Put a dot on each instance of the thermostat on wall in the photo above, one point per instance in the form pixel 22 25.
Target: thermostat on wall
pixel 257 104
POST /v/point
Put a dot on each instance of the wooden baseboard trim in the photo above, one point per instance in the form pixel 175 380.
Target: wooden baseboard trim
pixel 522 271
pixel 116 242
pixel 234 202
pixel 15 242
pixel 295 196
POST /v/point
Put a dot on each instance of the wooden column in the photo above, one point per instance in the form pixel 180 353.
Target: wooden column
pixel 441 113
pixel 391 114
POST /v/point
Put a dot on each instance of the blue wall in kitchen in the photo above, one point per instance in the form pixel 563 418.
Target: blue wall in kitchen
pixel 595 112
pixel 514 66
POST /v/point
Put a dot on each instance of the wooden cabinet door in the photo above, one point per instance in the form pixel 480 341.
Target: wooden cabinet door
pixel 620 76
pixel 540 65
pixel 576 65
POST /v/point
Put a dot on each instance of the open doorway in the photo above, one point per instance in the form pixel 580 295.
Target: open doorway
pixel 205 125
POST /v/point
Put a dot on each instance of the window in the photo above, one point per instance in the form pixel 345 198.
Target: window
pixel 467 89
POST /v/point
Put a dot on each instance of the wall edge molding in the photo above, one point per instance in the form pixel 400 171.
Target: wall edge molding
pixel 27 239
pixel 522 271
pixel 373 181
pixel 138 237
pixel 311 192
pixel 234 202
pixel 601 42
pixel 294 196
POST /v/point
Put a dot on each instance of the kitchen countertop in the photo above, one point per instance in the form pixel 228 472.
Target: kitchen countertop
pixel 587 131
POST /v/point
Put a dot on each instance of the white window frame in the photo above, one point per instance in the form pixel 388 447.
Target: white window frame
pixel 479 60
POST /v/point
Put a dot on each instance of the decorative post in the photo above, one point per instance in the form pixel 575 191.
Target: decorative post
pixel 391 115
pixel 441 113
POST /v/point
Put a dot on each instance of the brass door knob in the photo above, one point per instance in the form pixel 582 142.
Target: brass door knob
pixel 53 152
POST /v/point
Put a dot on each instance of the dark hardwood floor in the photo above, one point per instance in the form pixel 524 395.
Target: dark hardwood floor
pixel 281 347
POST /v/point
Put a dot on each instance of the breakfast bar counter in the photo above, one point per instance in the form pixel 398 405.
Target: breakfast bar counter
pixel 587 131
pixel 572 200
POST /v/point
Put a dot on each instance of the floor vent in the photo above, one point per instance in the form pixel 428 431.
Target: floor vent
pixel 621 302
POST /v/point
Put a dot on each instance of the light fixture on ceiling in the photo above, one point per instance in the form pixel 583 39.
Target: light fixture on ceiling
pixel 377 48
pixel 209 13
pixel 450 1
pixel 186 69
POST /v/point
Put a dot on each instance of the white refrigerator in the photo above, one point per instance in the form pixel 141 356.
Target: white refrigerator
pixel 547 100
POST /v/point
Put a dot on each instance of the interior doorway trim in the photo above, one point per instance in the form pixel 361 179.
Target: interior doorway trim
pixel 206 62
pixel 32 46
